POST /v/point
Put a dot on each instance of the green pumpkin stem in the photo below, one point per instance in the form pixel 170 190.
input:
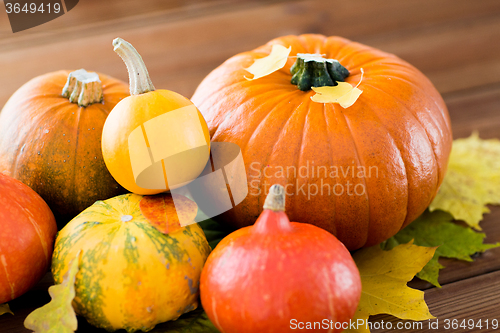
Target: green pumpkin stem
pixel 83 88
pixel 139 80
pixel 312 70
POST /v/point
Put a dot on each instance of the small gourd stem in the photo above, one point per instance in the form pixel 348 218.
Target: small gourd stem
pixel 275 200
pixel 83 88
pixel 273 219
pixel 312 70
pixel 139 80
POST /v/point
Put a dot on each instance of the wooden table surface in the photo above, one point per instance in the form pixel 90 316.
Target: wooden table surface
pixel 456 43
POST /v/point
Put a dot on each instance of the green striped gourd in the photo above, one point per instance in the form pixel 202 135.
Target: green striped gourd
pixel 131 275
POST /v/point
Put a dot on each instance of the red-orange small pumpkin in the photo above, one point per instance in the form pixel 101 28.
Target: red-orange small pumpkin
pixel 28 230
pixel 362 173
pixel 50 139
pixel 263 277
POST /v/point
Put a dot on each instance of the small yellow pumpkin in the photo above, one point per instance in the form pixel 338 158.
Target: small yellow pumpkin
pixel 138 266
pixel 154 140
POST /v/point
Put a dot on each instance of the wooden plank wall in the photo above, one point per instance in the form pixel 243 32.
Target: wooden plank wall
pixel 181 41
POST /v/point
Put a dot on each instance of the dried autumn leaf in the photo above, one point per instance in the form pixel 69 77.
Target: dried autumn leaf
pixel 4 308
pixel 58 316
pixel 270 64
pixel 437 229
pixel 166 214
pixel 343 93
pixel 384 275
pixel 472 180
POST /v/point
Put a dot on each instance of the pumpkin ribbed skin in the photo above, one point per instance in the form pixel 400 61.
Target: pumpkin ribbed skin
pixel 399 127
pixel 28 230
pixel 131 276
pixel 54 146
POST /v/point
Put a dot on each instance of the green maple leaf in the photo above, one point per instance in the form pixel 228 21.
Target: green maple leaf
pixel 58 315
pixel 472 180
pixel 214 232
pixel 437 229
pixel 193 322
pixel 4 308
pixel 384 275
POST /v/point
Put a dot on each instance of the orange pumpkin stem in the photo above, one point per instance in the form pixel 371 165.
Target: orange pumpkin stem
pixel 139 80
pixel 273 219
pixel 83 88
pixel 312 70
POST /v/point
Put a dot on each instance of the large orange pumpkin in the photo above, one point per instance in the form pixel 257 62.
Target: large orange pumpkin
pixel 363 172
pixel 28 230
pixel 52 143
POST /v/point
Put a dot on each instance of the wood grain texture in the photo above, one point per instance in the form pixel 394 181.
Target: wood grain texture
pixel 180 47
pixel 477 109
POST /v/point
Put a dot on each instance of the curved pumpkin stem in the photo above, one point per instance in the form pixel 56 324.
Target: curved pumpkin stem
pixel 83 88
pixel 138 75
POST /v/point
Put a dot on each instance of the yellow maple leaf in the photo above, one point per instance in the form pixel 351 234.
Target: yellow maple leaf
pixel 472 180
pixel 384 275
pixel 343 93
pixel 58 316
pixel 4 308
pixel 270 64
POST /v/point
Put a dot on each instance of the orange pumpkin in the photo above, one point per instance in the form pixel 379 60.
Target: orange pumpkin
pixel 26 240
pixel 52 142
pixel 266 277
pixel 363 172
